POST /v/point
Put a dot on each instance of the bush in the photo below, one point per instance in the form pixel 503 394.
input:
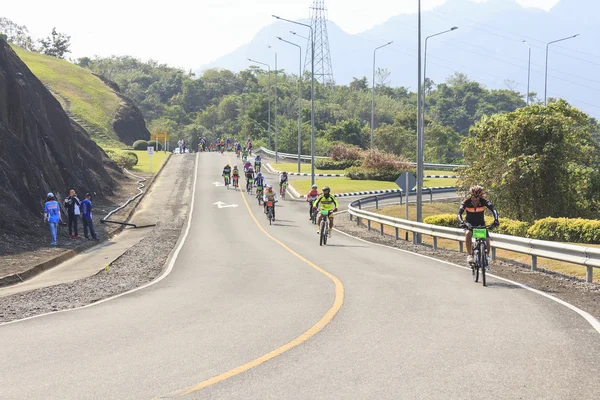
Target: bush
pixel 109 152
pixel 511 227
pixel 328 164
pixel 131 153
pixel 343 152
pixel 140 145
pixel 449 220
pixel 574 230
pixel 507 226
pixel 380 160
pixel 123 160
pixel 360 173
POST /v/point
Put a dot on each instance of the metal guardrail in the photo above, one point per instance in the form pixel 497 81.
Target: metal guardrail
pixel 307 157
pixel 286 155
pixel 585 256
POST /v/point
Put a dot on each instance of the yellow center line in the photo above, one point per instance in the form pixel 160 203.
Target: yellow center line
pixel 313 330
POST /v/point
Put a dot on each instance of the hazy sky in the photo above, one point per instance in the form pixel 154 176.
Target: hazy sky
pixel 190 34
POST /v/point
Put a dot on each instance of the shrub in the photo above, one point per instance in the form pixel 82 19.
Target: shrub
pixel 449 220
pixel 123 160
pixel 360 173
pixel 131 153
pixel 109 152
pixel 140 145
pixel 342 152
pixel 507 226
pixel 575 230
pixel 511 227
pixel 328 164
pixel 380 160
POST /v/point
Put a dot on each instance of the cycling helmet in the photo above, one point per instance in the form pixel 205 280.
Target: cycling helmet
pixel 259 174
pixel 269 186
pixel 314 186
pixel 476 190
pixel 227 165
pixel 326 189
pixel 235 167
pixel 284 173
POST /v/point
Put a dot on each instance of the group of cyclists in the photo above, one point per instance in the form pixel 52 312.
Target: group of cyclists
pixel 325 201
pixel 474 205
pixel 222 145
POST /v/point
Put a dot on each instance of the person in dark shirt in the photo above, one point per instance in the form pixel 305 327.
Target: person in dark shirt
pixel 86 217
pixel 73 204
pixel 475 206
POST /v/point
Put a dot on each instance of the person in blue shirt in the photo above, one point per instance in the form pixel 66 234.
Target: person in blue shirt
pixel 52 215
pixel 86 217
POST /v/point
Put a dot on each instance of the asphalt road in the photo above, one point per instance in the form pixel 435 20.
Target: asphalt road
pixel 408 327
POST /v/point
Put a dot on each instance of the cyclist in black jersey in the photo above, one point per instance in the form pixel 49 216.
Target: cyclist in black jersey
pixel 475 206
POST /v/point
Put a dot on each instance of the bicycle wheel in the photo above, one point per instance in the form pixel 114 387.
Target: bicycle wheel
pixel 475 268
pixel 481 262
pixel 322 233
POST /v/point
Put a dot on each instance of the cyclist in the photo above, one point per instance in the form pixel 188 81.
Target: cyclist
pixel 249 175
pixel 236 176
pixel 249 145
pixel 244 155
pixel 260 180
pixel 247 165
pixel 228 142
pixel 475 206
pixel 283 177
pixel 257 163
pixel 270 195
pixel 310 198
pixel 328 202
pixel 227 173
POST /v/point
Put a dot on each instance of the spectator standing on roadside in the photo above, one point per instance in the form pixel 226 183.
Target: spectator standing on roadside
pixel 52 215
pixel 73 204
pixel 86 217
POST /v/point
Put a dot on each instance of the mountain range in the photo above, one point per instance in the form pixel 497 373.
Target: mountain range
pixel 487 46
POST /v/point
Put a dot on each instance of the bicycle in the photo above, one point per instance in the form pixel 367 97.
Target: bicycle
pixel 259 194
pixel 237 153
pixel 270 211
pixel 283 189
pixel 236 179
pixel 226 177
pixel 313 216
pixel 480 259
pixel 249 185
pixel 324 226
pixel 257 168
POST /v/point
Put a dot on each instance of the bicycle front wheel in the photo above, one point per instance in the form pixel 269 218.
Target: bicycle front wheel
pixel 475 268
pixel 481 261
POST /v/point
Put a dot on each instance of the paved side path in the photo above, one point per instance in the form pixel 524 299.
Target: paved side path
pixel 95 259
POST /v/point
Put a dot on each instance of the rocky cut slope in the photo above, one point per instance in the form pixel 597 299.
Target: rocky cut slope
pixel 40 149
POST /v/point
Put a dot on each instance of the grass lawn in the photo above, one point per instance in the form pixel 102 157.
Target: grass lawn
pixel 452 207
pixel 440 172
pixel 345 185
pixel 91 100
pixel 143 164
pixel 304 168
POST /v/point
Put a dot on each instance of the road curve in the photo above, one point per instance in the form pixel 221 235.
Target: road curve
pixel 409 327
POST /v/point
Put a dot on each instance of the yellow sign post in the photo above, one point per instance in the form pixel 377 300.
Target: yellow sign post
pixel 162 137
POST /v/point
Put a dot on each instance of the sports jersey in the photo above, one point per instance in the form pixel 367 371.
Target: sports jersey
pixel 327 203
pixel 475 213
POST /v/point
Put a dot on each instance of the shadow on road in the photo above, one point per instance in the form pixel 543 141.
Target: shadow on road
pixel 505 285
pixel 342 245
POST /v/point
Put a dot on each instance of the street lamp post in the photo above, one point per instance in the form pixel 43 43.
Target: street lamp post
pixel 276 120
pixel 528 70
pixel 546 74
pixel 299 99
pixel 420 140
pixel 425 69
pixel 373 96
pixel 269 97
pixel 312 95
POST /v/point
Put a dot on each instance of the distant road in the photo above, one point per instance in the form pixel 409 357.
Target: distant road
pixel 408 327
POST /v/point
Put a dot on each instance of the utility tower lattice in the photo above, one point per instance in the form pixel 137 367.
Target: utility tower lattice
pixel 318 22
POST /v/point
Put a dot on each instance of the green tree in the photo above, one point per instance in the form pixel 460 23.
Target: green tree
pixel 536 162
pixel 17 34
pixel 56 45
pixel 348 131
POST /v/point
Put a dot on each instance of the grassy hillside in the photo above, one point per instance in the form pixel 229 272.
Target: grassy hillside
pixel 84 96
